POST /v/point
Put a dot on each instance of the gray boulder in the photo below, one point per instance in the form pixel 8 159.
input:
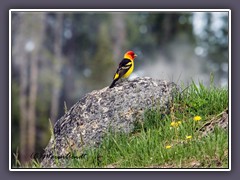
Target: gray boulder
pixel 115 109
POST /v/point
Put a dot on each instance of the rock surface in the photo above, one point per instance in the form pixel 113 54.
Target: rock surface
pixel 220 121
pixel 114 109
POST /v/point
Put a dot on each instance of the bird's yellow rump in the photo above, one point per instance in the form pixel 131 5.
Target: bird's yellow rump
pixel 125 67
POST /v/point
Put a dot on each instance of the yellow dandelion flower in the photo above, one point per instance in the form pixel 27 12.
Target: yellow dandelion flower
pixel 197 118
pixel 179 122
pixel 174 124
pixel 168 147
pixel 188 137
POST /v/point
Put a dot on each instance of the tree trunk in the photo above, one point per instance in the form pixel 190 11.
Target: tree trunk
pixel 37 31
pixel 23 106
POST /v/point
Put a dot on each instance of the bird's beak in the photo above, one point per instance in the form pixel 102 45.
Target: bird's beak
pixel 135 55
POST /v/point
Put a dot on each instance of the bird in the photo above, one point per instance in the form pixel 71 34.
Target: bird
pixel 125 67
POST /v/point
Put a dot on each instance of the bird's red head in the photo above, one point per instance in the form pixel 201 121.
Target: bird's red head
pixel 130 54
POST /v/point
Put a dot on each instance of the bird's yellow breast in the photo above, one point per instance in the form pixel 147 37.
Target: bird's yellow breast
pixel 127 74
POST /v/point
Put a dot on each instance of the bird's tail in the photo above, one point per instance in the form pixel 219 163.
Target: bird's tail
pixel 113 83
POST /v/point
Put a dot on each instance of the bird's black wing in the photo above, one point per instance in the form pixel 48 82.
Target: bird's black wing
pixel 124 66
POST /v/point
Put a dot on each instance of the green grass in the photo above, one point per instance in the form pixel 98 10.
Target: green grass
pixel 146 146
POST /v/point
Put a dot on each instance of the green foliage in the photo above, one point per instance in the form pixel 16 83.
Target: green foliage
pixel 152 119
pixel 200 97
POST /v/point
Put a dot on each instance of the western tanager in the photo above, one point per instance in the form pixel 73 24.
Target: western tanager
pixel 125 67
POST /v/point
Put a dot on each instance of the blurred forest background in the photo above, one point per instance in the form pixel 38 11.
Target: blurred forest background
pixel 58 57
